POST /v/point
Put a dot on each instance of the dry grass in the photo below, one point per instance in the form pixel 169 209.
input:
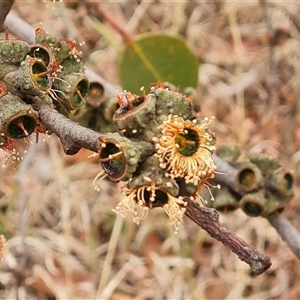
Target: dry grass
pixel 63 241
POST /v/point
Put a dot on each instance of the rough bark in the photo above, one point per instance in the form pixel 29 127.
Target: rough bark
pixel 72 136
pixel 208 219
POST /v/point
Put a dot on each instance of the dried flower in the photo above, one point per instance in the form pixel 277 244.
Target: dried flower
pixel 14 149
pixel 185 148
pixel 139 200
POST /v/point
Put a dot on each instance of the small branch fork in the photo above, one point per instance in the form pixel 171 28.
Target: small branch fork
pixel 74 137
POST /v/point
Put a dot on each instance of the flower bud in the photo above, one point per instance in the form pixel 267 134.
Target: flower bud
pixel 228 152
pixel 248 178
pixel 13 51
pixel 254 203
pixel 267 163
pixel 172 103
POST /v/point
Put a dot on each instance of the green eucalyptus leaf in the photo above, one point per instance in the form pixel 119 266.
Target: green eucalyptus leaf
pixel 153 57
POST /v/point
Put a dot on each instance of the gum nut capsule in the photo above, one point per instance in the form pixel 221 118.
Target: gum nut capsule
pixel 253 204
pixel 172 103
pixel 274 205
pixel 72 65
pixel 228 152
pixel 136 116
pixel 109 107
pixel 248 177
pixel 73 88
pixel 17 119
pixel 225 201
pixel 281 182
pixel 43 53
pixel 43 37
pixel 6 68
pixel 96 94
pixel 120 157
pixel 62 48
pixel 31 78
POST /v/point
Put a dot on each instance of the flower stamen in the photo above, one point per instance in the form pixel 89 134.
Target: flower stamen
pixel 100 176
pixel 139 200
pixel 185 147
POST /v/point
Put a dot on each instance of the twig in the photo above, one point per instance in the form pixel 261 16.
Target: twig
pixel 98 12
pixel 287 232
pixel 208 219
pixel 19 28
pixel 72 136
pixel 225 175
pixel 5 6
pixel 284 228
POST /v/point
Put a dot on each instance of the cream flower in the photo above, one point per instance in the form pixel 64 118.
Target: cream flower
pixel 139 200
pixel 185 149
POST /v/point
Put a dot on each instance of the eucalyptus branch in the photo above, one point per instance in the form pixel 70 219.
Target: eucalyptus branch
pixel 73 137
pixel 287 232
pixel 226 177
pixel 208 219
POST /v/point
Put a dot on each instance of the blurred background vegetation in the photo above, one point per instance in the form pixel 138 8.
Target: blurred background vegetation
pixel 64 242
